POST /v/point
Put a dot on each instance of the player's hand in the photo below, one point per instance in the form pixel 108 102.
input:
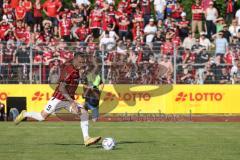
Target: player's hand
pixel 74 108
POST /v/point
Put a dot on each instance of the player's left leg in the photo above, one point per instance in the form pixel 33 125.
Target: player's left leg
pixel 84 124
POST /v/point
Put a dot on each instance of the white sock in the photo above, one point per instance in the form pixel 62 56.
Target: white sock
pixel 34 115
pixel 84 124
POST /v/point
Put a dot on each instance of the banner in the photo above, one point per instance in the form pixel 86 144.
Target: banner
pixel 168 99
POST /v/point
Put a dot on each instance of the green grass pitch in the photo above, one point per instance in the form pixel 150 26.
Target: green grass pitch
pixel 135 141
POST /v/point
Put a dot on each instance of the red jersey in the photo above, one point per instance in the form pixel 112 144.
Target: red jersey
pixel 138 17
pixel 184 23
pixel 167 48
pixel 137 33
pixel 20 32
pixel 3 29
pixel 67 55
pixel 27 5
pixel 112 13
pixel 121 26
pixel 177 12
pixel 14 3
pixel 176 41
pixel 65 27
pixel 52 7
pixel 92 46
pixel 197 16
pixel 96 18
pixel 37 12
pixel 118 14
pixel 190 58
pixel 70 76
pixel 106 20
pixel 20 12
pixel 100 3
pixel 47 56
pixel 124 5
pixel 27 36
pixel 82 33
pixel 38 58
pixel 146 7
pixel 7 8
pixel 230 57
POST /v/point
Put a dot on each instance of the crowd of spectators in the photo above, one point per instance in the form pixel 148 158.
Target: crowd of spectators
pixel 138 41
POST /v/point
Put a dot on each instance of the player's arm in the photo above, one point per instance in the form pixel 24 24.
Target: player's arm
pixel 63 90
pixel 86 90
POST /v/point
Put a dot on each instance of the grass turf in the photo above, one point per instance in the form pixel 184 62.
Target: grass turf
pixel 136 140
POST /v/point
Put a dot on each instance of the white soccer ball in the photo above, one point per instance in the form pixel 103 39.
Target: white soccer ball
pixel 108 143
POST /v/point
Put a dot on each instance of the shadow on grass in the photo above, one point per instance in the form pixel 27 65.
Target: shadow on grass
pixel 69 144
pixel 134 142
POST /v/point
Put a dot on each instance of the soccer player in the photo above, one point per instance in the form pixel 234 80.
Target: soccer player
pixel 92 90
pixel 63 97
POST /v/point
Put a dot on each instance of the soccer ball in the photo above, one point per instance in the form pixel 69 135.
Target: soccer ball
pixel 108 143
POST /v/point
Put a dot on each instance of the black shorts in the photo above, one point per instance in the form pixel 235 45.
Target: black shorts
pixel 54 21
pixel 38 20
pixel 96 32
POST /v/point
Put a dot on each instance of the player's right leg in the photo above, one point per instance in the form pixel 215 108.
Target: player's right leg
pixel 39 116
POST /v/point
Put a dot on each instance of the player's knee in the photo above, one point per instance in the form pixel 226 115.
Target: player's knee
pixel 94 119
pixel 83 111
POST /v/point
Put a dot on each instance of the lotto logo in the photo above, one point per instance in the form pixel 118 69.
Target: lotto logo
pixel 199 96
pixel 38 96
pixel 129 96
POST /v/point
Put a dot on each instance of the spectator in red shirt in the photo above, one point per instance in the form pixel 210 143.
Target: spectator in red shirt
pixel 4 28
pixel 111 11
pixel 183 26
pixel 146 9
pixel 230 10
pixel 138 17
pixel 106 21
pixel 124 4
pixel 176 12
pixel 37 38
pixel 27 36
pixel 91 45
pixel 188 58
pixel 167 47
pixel 51 8
pixel 7 8
pixel 95 19
pixel 8 54
pixel 230 56
pixel 137 32
pixel 37 14
pixel 119 12
pixel 29 16
pixel 123 27
pixel 133 5
pixel 82 32
pixel 197 17
pixel 65 28
pixel 20 11
pixel 19 31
